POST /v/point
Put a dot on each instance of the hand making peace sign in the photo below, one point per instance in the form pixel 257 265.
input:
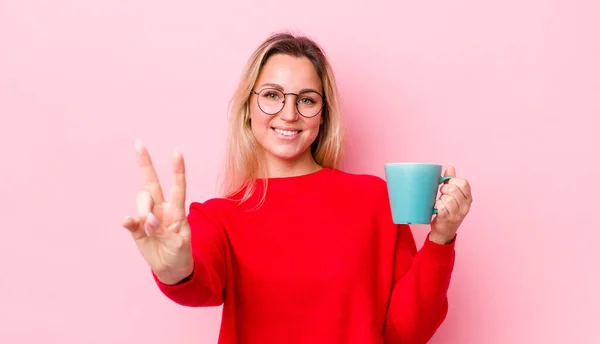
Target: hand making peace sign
pixel 160 230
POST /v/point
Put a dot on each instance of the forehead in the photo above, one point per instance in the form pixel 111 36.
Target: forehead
pixel 292 73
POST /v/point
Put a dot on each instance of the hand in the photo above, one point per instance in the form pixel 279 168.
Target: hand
pixel 453 206
pixel 160 230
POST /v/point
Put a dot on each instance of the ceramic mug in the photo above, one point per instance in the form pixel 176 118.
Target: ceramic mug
pixel 412 189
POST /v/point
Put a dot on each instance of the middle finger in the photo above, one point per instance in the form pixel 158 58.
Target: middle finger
pixel 453 190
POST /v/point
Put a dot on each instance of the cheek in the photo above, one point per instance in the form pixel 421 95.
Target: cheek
pixel 314 125
pixel 259 123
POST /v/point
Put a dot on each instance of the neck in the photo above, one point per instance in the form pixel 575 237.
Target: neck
pixel 278 168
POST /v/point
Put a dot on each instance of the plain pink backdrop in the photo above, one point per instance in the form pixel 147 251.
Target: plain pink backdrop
pixel 508 91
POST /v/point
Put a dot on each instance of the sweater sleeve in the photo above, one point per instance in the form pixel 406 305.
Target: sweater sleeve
pixel 418 302
pixel 205 286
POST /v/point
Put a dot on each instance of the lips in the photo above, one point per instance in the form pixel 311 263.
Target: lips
pixel 287 132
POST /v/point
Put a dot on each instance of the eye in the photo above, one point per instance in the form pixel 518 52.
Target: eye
pixel 306 101
pixel 271 95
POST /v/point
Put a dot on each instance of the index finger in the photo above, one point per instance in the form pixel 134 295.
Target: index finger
pixel 149 176
pixel 463 186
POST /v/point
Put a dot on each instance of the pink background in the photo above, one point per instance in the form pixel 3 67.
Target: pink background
pixel 508 91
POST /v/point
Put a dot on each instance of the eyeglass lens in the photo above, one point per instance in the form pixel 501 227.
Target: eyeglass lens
pixel 308 103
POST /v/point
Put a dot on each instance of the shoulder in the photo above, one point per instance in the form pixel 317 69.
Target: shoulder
pixel 213 208
pixel 360 181
pixel 367 187
pixel 367 191
pixel 218 204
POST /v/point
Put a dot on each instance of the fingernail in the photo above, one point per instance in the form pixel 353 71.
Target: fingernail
pixel 152 220
pixel 176 152
pixel 138 144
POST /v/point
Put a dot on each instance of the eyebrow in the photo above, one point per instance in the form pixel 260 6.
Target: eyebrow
pixel 279 87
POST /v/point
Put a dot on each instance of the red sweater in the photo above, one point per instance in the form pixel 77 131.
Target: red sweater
pixel 319 262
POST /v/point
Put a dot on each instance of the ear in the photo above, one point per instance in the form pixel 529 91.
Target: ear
pixel 248 119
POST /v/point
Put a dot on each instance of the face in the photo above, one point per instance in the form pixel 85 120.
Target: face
pixel 286 136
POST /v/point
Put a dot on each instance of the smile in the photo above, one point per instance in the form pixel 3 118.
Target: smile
pixel 286 134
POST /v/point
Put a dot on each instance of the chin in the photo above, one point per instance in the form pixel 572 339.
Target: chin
pixel 287 150
pixel 285 154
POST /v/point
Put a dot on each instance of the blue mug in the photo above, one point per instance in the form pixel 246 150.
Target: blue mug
pixel 412 189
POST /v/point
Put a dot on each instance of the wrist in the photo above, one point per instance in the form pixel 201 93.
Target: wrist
pixel 441 239
pixel 171 277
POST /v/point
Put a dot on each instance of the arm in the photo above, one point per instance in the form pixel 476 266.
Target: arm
pixel 418 302
pixel 205 286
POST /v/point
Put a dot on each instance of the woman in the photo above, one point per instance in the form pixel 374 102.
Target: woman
pixel 297 251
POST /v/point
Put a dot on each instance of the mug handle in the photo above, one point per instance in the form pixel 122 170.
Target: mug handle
pixel 442 179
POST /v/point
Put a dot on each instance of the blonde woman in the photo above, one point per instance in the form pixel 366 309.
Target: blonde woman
pixel 296 250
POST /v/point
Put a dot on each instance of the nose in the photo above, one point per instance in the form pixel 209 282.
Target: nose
pixel 289 113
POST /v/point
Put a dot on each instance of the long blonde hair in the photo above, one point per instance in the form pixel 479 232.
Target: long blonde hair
pixel 244 163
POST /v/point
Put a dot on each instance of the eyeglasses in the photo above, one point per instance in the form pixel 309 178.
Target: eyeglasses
pixel 271 102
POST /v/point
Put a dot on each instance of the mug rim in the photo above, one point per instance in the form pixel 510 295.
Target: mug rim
pixel 411 163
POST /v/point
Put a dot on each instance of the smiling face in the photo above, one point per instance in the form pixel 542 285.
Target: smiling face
pixel 286 136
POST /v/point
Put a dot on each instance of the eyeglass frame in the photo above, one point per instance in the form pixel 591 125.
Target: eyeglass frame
pixel 284 99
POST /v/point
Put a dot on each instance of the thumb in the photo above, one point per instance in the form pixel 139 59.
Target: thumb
pixel 450 171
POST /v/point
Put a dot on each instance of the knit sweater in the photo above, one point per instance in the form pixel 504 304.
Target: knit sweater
pixel 320 261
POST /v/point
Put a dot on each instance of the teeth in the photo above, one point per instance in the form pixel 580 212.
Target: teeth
pixel 287 132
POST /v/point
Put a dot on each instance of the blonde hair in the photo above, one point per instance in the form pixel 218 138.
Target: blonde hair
pixel 245 164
